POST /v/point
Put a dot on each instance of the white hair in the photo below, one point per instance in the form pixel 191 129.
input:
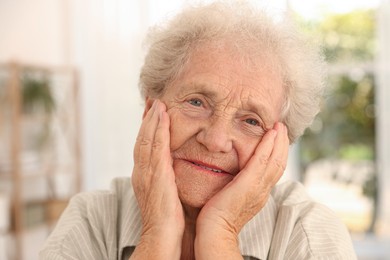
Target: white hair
pixel 251 31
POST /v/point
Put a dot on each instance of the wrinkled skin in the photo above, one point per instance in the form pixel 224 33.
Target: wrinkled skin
pixel 208 153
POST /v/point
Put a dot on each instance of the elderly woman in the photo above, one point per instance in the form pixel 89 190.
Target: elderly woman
pixel 226 90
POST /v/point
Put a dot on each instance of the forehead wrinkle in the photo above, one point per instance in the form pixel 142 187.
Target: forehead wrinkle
pixel 228 94
pixel 228 104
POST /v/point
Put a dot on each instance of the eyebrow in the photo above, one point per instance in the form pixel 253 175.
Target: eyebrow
pixel 203 89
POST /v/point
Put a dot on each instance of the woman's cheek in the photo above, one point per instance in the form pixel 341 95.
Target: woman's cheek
pixel 182 129
pixel 245 148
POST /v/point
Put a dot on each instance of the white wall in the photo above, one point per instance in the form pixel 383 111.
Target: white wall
pixel 31 31
pixel 106 45
pixel 108 56
pixel 102 39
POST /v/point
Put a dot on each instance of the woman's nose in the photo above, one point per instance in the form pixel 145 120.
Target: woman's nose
pixel 216 136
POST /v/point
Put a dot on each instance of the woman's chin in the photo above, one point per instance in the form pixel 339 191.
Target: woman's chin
pixel 193 199
pixel 197 187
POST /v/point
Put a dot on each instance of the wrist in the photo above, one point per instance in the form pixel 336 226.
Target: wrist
pixel 227 245
pixel 159 243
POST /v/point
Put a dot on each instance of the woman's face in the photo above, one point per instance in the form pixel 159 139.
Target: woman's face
pixel 219 110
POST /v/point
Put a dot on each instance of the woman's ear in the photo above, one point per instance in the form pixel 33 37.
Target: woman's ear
pixel 148 104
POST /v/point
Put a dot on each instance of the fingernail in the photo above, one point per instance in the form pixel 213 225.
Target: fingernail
pixel 156 104
pixel 274 132
pixel 284 127
pixel 281 126
pixel 277 126
pixel 161 114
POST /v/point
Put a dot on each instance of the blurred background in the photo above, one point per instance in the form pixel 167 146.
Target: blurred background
pixel 70 110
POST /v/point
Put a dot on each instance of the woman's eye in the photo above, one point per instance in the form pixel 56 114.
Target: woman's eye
pixel 195 102
pixel 252 121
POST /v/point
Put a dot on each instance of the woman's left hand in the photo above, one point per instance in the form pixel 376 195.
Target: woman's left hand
pixel 224 215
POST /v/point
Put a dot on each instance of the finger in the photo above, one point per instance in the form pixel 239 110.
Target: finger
pixel 278 159
pixel 140 135
pixel 259 160
pixel 160 147
pixel 147 117
pixel 145 138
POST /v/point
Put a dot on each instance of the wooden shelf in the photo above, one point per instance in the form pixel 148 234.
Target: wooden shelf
pixel 37 140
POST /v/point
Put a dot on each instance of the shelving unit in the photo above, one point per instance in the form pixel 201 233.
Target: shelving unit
pixel 40 165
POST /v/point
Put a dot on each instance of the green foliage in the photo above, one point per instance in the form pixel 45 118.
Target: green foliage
pixel 346 126
pixel 345 37
pixel 345 129
pixel 349 37
pixel 356 152
pixel 36 95
pixel 38 103
pixel 347 123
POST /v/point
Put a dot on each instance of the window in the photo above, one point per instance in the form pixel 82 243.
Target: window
pixel 337 154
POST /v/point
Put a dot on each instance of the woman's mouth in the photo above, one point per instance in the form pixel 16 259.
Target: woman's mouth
pixel 208 167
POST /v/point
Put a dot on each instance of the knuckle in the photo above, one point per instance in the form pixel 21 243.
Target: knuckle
pixel 263 159
pixel 139 138
pixel 157 145
pixel 279 164
pixel 266 187
pixel 143 165
pixel 145 142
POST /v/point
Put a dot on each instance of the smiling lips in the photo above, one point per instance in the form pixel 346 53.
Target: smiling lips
pixel 209 167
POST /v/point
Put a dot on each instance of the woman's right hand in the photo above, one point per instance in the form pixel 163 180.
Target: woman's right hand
pixel 155 189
